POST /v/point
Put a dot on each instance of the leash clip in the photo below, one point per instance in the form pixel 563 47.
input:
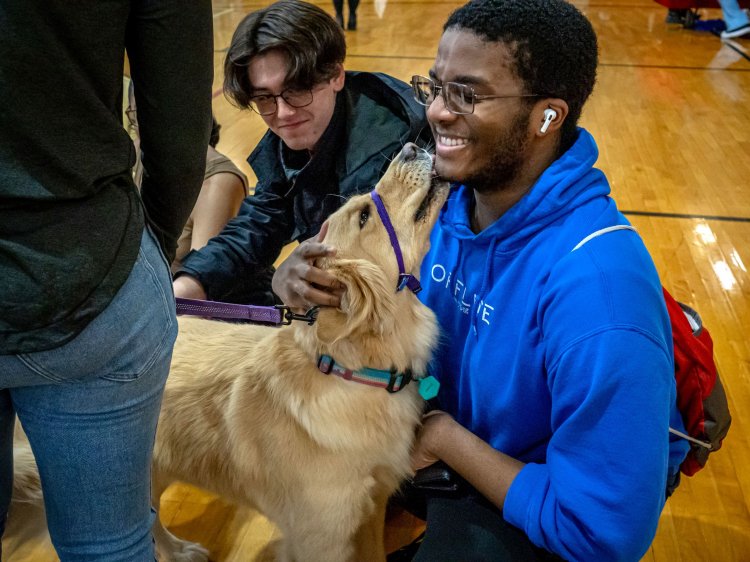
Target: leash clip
pixel 289 315
pixel 406 378
pixel 408 280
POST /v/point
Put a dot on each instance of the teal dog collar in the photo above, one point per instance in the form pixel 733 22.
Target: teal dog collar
pixel 392 381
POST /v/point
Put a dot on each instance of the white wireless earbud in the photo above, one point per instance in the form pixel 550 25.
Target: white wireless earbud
pixel 549 115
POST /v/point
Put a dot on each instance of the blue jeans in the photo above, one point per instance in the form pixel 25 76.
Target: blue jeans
pixel 89 409
pixel 463 525
pixel 734 16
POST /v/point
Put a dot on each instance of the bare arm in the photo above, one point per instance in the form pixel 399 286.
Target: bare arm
pixel 488 470
pixel 219 200
pixel 188 287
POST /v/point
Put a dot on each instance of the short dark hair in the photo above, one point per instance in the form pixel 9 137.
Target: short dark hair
pixel 553 45
pixel 213 140
pixel 312 40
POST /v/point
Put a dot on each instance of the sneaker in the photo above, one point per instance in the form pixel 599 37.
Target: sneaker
pixel 351 25
pixel 340 19
pixel 736 32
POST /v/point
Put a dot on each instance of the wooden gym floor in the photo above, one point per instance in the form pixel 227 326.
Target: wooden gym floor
pixel 671 114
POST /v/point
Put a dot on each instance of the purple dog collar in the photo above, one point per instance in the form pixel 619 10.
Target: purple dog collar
pixel 404 279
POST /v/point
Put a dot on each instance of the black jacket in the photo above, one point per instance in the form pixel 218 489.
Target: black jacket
pixel 375 115
pixel 71 219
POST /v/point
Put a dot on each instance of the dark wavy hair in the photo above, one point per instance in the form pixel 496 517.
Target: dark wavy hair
pixel 553 45
pixel 311 39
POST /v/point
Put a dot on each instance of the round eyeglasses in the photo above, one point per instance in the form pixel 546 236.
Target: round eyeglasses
pixel 459 99
pixel 265 104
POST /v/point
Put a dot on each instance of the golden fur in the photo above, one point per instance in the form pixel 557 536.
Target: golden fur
pixel 26 518
pixel 248 415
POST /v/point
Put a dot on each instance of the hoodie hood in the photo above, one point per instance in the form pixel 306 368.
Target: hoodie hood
pixel 568 183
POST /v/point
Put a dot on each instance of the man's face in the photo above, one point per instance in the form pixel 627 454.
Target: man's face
pixel 300 128
pixel 485 149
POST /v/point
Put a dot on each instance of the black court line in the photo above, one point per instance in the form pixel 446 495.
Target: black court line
pixel 732 46
pixel 685 216
pixel 601 64
pixel 740 51
pixel 652 5
pixel 404 57
pixel 675 67
pixel 457 3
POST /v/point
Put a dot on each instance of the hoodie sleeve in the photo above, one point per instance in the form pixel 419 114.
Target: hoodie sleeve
pixel 610 375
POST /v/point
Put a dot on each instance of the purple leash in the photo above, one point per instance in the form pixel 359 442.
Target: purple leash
pixel 283 315
pixel 404 279
pixel 274 315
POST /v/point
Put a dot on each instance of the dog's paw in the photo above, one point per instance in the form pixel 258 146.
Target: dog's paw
pixel 192 552
pixel 185 552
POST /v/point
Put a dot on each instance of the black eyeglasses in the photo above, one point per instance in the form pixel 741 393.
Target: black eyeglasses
pixel 459 99
pixel 265 104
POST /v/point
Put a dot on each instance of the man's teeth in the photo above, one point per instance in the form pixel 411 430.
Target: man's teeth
pixel 452 141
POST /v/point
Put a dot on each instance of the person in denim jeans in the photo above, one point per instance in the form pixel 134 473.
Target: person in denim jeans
pixel 88 321
pixel 737 20
pixel 89 409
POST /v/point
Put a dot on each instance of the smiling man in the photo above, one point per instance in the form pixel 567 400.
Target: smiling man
pixel 556 361
pixel 330 136
pixel 556 369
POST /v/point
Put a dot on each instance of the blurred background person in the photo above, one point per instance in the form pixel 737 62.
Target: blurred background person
pixel 738 24
pixel 351 23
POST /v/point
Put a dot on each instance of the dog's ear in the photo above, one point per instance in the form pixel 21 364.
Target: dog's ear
pixel 368 303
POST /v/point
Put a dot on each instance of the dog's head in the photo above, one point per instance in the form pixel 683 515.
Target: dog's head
pixel 377 325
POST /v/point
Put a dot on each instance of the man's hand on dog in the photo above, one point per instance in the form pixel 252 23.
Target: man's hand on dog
pixel 429 438
pixel 300 284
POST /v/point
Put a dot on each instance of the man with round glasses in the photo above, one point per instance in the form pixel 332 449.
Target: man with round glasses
pixel 557 377
pixel 458 98
pixel 331 134
pixel 556 368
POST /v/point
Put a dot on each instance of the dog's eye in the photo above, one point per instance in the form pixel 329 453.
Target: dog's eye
pixel 364 214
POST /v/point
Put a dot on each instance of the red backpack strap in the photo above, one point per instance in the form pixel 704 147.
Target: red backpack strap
pixel 694 370
pixel 700 395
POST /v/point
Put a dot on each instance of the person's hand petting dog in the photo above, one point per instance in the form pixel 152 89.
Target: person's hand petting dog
pixel 300 284
pixel 429 436
pixel 442 438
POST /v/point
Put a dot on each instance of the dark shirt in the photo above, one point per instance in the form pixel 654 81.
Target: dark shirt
pixel 71 218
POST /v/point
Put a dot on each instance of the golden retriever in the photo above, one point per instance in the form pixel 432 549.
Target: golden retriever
pixel 248 414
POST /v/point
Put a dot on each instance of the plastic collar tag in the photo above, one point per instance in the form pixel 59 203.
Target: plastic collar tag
pixel 428 387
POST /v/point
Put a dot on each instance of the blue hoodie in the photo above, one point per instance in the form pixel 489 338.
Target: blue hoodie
pixel 560 359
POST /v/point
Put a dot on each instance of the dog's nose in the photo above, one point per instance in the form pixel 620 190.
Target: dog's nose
pixel 409 152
